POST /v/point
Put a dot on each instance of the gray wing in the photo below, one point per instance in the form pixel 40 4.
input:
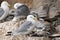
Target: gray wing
pixel 1 12
pixel 22 10
pixel 25 28
pixel 5 14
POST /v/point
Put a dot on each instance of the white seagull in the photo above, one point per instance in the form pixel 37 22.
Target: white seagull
pixel 4 10
pixel 21 10
pixel 26 27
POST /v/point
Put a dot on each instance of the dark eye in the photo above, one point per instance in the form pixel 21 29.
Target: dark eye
pixel 13 11
pixel 34 15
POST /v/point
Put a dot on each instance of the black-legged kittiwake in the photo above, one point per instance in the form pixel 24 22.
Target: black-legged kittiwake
pixel 4 10
pixel 21 10
pixel 27 27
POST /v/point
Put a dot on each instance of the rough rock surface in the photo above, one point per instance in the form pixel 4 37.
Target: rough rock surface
pixel 6 27
pixel 9 26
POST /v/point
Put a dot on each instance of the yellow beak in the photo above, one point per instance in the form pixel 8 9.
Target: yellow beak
pixel 35 19
pixel 9 5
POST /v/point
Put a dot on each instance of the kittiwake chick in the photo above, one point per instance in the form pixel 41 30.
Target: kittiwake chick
pixel 42 28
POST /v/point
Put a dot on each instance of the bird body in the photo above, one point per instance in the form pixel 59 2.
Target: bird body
pixel 21 10
pixel 4 10
pixel 41 28
pixel 26 27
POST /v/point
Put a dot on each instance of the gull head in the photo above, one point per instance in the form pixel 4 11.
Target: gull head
pixel 16 5
pixel 32 18
pixel 4 3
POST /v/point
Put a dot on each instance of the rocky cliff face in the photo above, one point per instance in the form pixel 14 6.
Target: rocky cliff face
pixel 6 27
pixel 9 25
pixel 27 2
pixel 52 5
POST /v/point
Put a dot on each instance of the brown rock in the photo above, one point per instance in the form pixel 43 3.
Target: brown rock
pixel 6 27
pixel 58 38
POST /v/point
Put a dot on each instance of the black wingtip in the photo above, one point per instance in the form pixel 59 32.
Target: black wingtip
pixel 8 35
pixel 9 32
